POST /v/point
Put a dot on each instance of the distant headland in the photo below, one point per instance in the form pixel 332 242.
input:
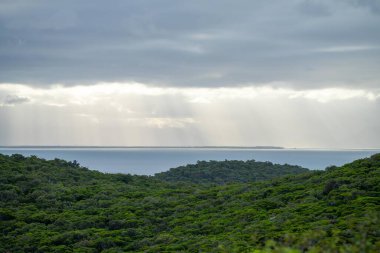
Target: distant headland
pixel 206 147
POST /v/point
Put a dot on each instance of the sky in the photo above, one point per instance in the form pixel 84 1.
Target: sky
pixel 296 73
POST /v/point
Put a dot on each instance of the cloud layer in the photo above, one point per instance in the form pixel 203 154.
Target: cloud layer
pixel 296 73
pixel 305 44
pixel 136 114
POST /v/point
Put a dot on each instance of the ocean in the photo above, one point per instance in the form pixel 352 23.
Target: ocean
pixel 148 161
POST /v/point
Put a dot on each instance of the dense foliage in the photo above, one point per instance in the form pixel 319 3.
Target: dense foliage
pixel 222 172
pixel 58 206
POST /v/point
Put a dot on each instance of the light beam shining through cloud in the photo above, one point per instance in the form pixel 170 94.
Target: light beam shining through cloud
pixel 138 114
pixel 295 73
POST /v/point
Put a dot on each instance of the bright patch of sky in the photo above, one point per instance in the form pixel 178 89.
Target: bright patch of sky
pixel 138 114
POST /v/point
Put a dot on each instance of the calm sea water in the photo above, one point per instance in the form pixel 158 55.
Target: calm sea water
pixel 147 161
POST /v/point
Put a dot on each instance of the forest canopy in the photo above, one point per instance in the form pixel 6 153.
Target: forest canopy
pixel 59 206
pixel 223 172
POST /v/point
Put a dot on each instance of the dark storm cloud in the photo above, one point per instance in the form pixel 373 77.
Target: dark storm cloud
pixel 309 44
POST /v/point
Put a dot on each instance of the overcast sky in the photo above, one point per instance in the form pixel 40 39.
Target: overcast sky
pixel 168 72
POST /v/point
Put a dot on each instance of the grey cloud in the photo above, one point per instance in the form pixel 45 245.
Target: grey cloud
pixel 14 100
pixel 314 8
pixel 372 5
pixel 190 43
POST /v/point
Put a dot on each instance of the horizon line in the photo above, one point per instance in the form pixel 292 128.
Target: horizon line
pixel 191 146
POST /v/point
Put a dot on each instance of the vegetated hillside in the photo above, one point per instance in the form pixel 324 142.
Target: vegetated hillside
pixel 57 206
pixel 222 172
